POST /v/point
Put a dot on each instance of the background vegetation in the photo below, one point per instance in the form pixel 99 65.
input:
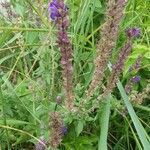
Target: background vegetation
pixel 30 76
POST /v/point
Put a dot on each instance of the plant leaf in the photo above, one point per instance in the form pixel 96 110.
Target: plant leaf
pixel 79 127
pixel 104 123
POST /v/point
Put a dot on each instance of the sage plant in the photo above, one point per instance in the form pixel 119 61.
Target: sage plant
pixel 109 34
pixel 59 14
pixel 118 67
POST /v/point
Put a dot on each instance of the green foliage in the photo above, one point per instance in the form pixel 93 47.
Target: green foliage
pixel 30 78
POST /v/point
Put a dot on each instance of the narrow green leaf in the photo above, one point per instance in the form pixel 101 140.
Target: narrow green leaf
pixel 104 123
pixel 135 136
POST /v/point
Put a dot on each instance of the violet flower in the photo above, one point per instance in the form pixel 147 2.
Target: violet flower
pixel 133 32
pixel 129 85
pixel 59 14
pixel 55 9
pixel 135 67
pixel 64 130
pixel 58 130
pixel 136 79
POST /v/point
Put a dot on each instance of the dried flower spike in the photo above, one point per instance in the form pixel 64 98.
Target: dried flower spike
pixel 118 67
pixel 109 34
pixel 56 126
pixel 59 14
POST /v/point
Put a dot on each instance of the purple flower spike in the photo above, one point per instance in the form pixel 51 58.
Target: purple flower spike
pixel 136 79
pixel 133 32
pixel 60 15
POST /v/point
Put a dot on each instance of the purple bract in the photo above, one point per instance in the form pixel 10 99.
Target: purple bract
pixel 64 130
pixel 56 9
pixel 136 79
pixel 133 32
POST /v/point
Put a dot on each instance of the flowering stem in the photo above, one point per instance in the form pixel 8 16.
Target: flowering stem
pixel 59 14
pixel 109 35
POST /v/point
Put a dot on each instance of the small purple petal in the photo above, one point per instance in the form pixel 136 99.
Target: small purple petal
pixel 136 79
pixel 64 130
pixel 52 15
pixel 55 8
pixel 133 32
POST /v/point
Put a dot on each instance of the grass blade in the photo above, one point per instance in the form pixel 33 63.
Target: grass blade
pixel 104 122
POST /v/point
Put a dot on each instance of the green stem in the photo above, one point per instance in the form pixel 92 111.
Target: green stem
pixel 23 29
